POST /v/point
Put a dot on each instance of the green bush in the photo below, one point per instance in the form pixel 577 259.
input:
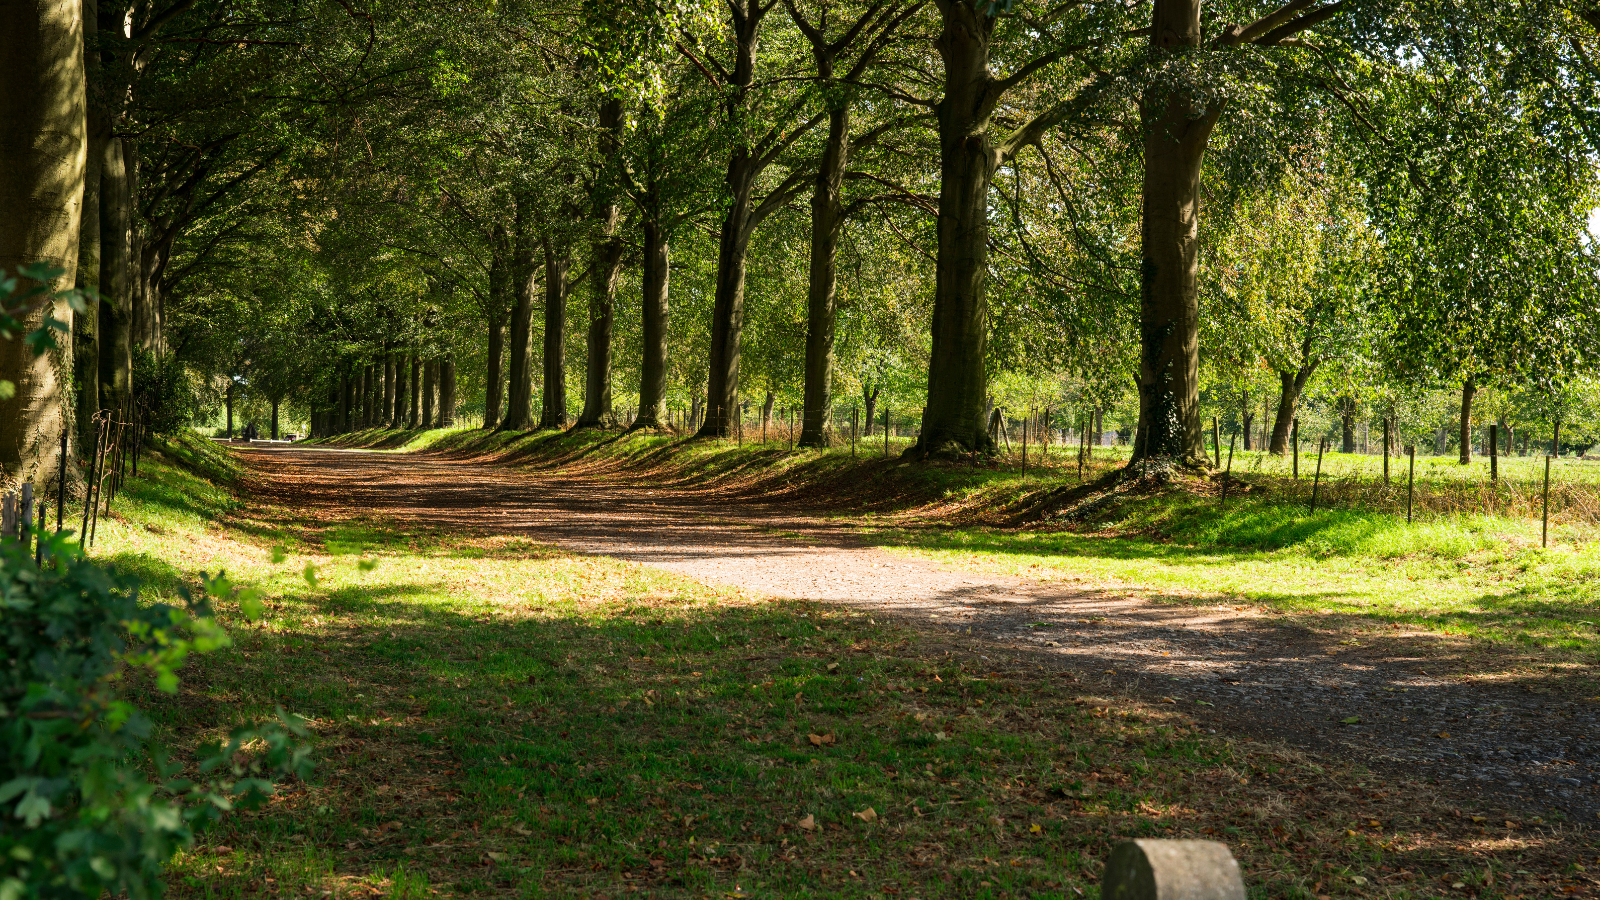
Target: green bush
pixel 163 392
pixel 89 803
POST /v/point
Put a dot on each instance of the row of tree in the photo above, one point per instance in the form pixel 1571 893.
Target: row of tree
pixel 320 204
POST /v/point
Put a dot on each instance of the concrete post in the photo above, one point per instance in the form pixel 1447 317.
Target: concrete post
pixel 1172 870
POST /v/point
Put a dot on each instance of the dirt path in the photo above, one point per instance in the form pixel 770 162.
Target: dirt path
pixel 1239 672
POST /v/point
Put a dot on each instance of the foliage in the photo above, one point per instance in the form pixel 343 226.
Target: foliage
pixel 91 803
pixel 163 392
pixel 16 307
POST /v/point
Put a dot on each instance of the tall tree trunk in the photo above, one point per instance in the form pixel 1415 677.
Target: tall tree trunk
pixel 1290 386
pixel 492 386
pixel 733 240
pixel 228 402
pixel 42 159
pixel 653 375
pixel 1347 417
pixel 519 400
pixel 116 277
pixel 870 399
pixel 430 384
pixel 556 263
pixel 605 268
pixel 447 392
pixel 827 219
pixel 86 324
pixel 1469 389
pixel 414 414
pixel 766 410
pixel 347 404
pixel 499 291
pixel 952 421
pixel 275 402
pixel 1176 130
pixel 386 406
pixel 397 408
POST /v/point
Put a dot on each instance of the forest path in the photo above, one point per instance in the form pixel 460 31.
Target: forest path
pixel 1230 668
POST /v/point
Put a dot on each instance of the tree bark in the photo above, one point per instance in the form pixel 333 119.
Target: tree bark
pixel 1176 130
pixel 605 268
pixel 430 380
pixel 733 241
pixel 414 415
pixel 827 220
pixel 397 410
pixel 43 143
pixel 116 277
pixel 766 410
pixel 86 324
pixel 519 399
pixel 227 400
pixel 1469 389
pixel 499 288
pixel 1347 417
pixel 870 399
pixel 386 409
pixel 447 392
pixel 556 263
pixel 655 313
pixel 275 402
pixel 1290 386
pixel 957 377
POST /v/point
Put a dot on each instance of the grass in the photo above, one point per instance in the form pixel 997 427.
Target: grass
pixel 1479 577
pixel 499 718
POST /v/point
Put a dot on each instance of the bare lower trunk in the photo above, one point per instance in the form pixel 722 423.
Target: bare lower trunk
pixel 447 392
pixel 653 377
pixel 42 147
pixel 870 399
pixel 827 219
pixel 1347 418
pixel 727 313
pixel 414 415
pixel 386 409
pixel 116 277
pixel 430 385
pixel 605 268
pixel 275 402
pixel 556 264
pixel 1290 387
pixel 1176 130
pixel 766 411
pixel 519 388
pixel 492 384
pixel 1469 389
pixel 957 376
pixel 397 413
pixel 227 401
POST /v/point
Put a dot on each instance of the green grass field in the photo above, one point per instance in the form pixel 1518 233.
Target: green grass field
pixel 498 718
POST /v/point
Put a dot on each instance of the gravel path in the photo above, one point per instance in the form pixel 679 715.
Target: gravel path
pixel 1390 703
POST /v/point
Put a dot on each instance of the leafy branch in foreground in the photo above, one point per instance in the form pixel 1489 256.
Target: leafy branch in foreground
pixel 89 802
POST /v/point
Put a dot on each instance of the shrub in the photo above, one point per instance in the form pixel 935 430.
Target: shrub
pixel 162 390
pixel 89 803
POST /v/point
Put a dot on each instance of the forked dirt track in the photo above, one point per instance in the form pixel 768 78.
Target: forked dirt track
pixel 1389 703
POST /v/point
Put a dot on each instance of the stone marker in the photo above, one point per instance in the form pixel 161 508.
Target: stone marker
pixel 1171 870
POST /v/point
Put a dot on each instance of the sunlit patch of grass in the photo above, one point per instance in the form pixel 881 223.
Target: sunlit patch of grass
pixel 496 717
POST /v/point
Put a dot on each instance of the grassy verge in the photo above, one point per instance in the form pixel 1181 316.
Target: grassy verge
pixel 498 718
pixel 1484 578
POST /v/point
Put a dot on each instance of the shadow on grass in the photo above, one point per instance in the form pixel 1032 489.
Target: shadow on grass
pixel 668 749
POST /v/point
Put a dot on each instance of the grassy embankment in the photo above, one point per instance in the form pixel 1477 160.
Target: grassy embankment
pixel 499 718
pixel 1470 566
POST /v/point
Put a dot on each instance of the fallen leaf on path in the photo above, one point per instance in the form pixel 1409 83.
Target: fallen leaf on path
pixel 819 740
pixel 1352 720
pixel 809 823
pixel 867 815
